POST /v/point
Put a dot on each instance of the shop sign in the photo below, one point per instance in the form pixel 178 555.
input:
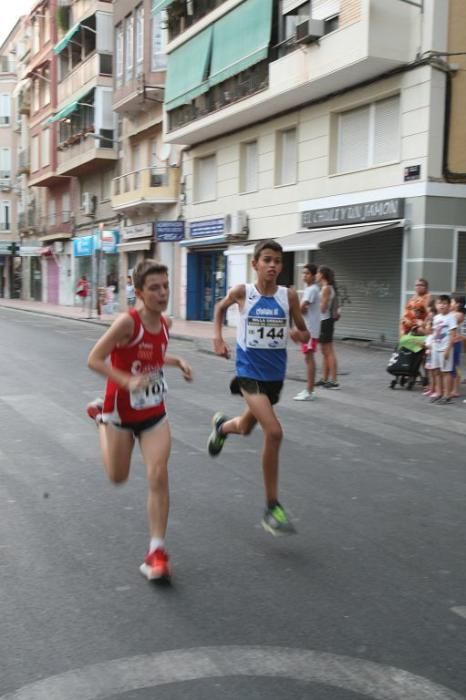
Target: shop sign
pixel 27 251
pixel 209 227
pixel 363 213
pixel 5 247
pixel 107 241
pixel 137 231
pixel 83 246
pixel 168 231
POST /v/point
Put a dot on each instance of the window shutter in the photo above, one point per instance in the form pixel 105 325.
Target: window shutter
pixel 387 130
pixel 206 178
pixel 323 9
pixel 353 140
pixel 288 157
pixel 250 166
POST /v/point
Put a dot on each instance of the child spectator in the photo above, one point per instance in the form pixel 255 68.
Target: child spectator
pixel 457 308
pixel 444 333
pixel 431 311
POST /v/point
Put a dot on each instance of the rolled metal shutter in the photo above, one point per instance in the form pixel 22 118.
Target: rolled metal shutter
pixel 461 263
pixel 368 277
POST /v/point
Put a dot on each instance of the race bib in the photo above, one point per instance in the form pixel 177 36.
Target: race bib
pixel 266 333
pixel 152 395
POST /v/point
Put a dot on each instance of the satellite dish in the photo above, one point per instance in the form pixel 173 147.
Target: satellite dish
pixel 165 151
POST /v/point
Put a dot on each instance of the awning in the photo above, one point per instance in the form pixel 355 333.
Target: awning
pixel 159 5
pixel 134 245
pixel 241 39
pixel 69 109
pixel 204 241
pixel 56 237
pixel 63 43
pixel 187 70
pixel 313 240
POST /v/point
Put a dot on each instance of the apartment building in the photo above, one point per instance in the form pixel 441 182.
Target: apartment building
pixel 84 129
pixel 145 193
pixel 10 262
pixel 325 124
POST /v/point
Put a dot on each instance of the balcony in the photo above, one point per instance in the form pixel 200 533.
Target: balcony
pixel 5 181
pixel 362 48
pixel 85 155
pixel 146 187
pixel 83 8
pixel 27 220
pixel 179 21
pixel 58 223
pixel 95 70
pixel 7 65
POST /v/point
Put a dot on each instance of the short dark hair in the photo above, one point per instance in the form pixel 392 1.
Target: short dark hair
pixel 423 281
pixel 444 297
pixel 268 244
pixel 145 268
pixel 460 299
pixel 310 267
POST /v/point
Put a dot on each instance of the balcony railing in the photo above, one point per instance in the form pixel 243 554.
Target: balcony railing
pixel 95 65
pixel 26 220
pixel 72 157
pixel 57 222
pixel 150 185
pixel 232 90
pixel 7 65
pixel 5 181
pixel 178 20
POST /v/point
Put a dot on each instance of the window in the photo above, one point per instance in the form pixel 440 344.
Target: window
pixel 205 174
pixel 159 42
pixel 139 40
pixel 46 25
pixel 286 163
pixel 45 87
pixel 5 110
pixel 119 46
pixel 129 30
pixel 36 95
pixel 45 148
pixel 248 167
pixel 5 217
pixel 292 14
pixel 35 153
pixel 106 185
pixel 5 163
pixel 52 212
pixel 369 136
pixel 65 207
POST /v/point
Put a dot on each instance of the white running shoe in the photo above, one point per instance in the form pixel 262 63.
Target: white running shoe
pixel 305 395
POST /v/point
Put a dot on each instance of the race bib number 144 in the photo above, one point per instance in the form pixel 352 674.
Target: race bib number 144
pixel 267 333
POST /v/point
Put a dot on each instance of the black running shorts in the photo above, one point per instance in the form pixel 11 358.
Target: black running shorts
pixel 253 386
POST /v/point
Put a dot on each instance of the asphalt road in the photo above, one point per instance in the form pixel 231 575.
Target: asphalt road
pixel 367 601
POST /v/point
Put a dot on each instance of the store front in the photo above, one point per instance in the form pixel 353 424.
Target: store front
pixel 96 256
pixel 206 268
pixel 30 253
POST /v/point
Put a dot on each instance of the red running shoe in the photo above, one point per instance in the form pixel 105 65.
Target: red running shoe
pixel 156 565
pixel 94 410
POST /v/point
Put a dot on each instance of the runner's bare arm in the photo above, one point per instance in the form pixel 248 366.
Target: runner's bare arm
pixel 299 334
pixel 119 333
pixel 186 371
pixel 236 295
pixel 324 299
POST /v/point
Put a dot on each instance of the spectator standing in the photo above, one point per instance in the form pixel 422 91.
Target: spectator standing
pixel 310 309
pixel 457 308
pixel 130 292
pixel 82 290
pixel 416 309
pixel 328 302
pixel 444 333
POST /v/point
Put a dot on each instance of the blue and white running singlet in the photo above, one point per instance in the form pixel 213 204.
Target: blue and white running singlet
pixel 262 334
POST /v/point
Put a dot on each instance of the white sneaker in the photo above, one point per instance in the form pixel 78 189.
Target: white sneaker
pixel 305 395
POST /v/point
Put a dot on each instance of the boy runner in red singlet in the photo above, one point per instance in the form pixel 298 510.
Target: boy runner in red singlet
pixel 133 406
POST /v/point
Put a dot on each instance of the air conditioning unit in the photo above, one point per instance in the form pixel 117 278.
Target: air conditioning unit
pixel 236 225
pixel 310 30
pixel 58 247
pixel 89 203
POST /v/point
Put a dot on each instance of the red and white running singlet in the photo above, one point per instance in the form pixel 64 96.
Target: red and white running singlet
pixel 144 354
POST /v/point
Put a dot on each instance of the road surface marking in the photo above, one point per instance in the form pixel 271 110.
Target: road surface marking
pixel 459 610
pixel 112 678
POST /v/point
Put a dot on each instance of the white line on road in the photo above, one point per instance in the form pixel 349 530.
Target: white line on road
pixel 108 679
pixel 459 610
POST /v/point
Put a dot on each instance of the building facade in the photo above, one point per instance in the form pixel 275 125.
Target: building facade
pixel 145 193
pixel 10 263
pixel 326 127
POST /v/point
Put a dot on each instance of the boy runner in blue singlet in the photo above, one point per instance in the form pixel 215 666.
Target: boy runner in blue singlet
pixel 265 310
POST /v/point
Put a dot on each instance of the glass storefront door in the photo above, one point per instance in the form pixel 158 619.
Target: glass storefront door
pixel 207 282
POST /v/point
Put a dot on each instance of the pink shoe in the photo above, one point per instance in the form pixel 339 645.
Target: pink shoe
pixel 428 392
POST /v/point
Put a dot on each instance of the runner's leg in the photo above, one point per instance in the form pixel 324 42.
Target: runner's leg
pixel 155 447
pixel 117 447
pixel 240 425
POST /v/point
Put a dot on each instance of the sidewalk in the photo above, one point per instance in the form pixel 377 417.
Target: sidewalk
pixel 355 361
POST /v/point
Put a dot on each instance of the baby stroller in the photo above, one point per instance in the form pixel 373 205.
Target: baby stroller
pixel 406 362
